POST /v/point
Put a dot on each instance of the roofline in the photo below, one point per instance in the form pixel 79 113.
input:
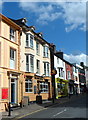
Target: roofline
pixel 10 22
pixel 63 60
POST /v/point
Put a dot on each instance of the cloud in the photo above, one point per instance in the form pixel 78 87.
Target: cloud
pixel 72 13
pixel 77 58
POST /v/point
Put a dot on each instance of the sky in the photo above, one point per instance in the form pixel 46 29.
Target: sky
pixel 62 23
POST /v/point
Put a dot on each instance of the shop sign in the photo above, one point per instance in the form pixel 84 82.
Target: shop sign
pixel 54 72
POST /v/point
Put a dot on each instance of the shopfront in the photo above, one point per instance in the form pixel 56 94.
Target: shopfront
pixel 61 87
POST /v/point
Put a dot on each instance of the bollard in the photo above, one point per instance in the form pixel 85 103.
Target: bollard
pixel 9 114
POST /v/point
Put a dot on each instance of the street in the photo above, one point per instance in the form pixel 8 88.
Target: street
pixel 75 108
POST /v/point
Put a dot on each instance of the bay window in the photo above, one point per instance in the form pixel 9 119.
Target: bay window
pixel 46 68
pixel 30 63
pixel 29 40
pixel 37 66
pixel 45 51
pixel 37 48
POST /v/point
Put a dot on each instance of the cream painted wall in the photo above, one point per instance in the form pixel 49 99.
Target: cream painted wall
pixel 33 52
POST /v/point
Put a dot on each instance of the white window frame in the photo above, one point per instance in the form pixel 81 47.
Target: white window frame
pixel 69 74
pixel 29 83
pixel 31 66
pixel 60 71
pixel 29 40
pixel 12 58
pixel 44 87
pixel 12 34
pixel 45 51
pixel 38 66
pixel 27 63
pixel 37 48
pixel 46 69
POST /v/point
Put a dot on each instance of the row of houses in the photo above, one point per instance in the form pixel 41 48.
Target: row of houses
pixel 29 64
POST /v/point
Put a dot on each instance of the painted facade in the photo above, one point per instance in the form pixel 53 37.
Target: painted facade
pixel 69 77
pixel 35 65
pixel 9 61
pixel 76 80
pixel 60 77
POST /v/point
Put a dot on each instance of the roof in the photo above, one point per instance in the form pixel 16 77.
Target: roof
pixel 27 28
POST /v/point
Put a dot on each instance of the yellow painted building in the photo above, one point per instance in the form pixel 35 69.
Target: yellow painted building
pixel 9 61
pixel 24 64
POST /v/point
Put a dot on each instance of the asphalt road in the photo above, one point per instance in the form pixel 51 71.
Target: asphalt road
pixel 76 108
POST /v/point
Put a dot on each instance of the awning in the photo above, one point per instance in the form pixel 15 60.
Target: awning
pixel 58 80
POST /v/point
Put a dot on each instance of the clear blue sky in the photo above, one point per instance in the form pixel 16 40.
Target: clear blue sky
pixel 61 23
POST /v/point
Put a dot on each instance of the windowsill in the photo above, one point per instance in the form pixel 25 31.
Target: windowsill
pixel 37 54
pixel 28 92
pixel 29 48
pixel 46 76
pixel 43 92
pixel 45 57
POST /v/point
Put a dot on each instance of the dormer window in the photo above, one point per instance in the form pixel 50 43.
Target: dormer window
pixel 24 20
pixel 40 34
pixel 32 27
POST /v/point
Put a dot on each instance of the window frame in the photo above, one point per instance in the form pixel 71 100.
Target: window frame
pixel 60 71
pixel 29 40
pixel 12 34
pixel 13 57
pixel 29 83
pixel 46 70
pixel 31 60
pixel 45 51
pixel 44 87
pixel 37 48
pixel 38 67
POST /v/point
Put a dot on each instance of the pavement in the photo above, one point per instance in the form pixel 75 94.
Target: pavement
pixel 33 108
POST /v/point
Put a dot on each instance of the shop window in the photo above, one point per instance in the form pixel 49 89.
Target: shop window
pixel 44 87
pixel 28 84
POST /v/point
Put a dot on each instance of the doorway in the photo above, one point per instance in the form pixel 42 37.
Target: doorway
pixel 13 90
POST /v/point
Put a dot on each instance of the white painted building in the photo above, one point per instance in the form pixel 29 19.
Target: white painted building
pixel 60 78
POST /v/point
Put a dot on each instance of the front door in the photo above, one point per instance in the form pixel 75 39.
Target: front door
pixel 13 91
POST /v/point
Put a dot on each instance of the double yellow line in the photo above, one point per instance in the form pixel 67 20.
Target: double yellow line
pixel 29 114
